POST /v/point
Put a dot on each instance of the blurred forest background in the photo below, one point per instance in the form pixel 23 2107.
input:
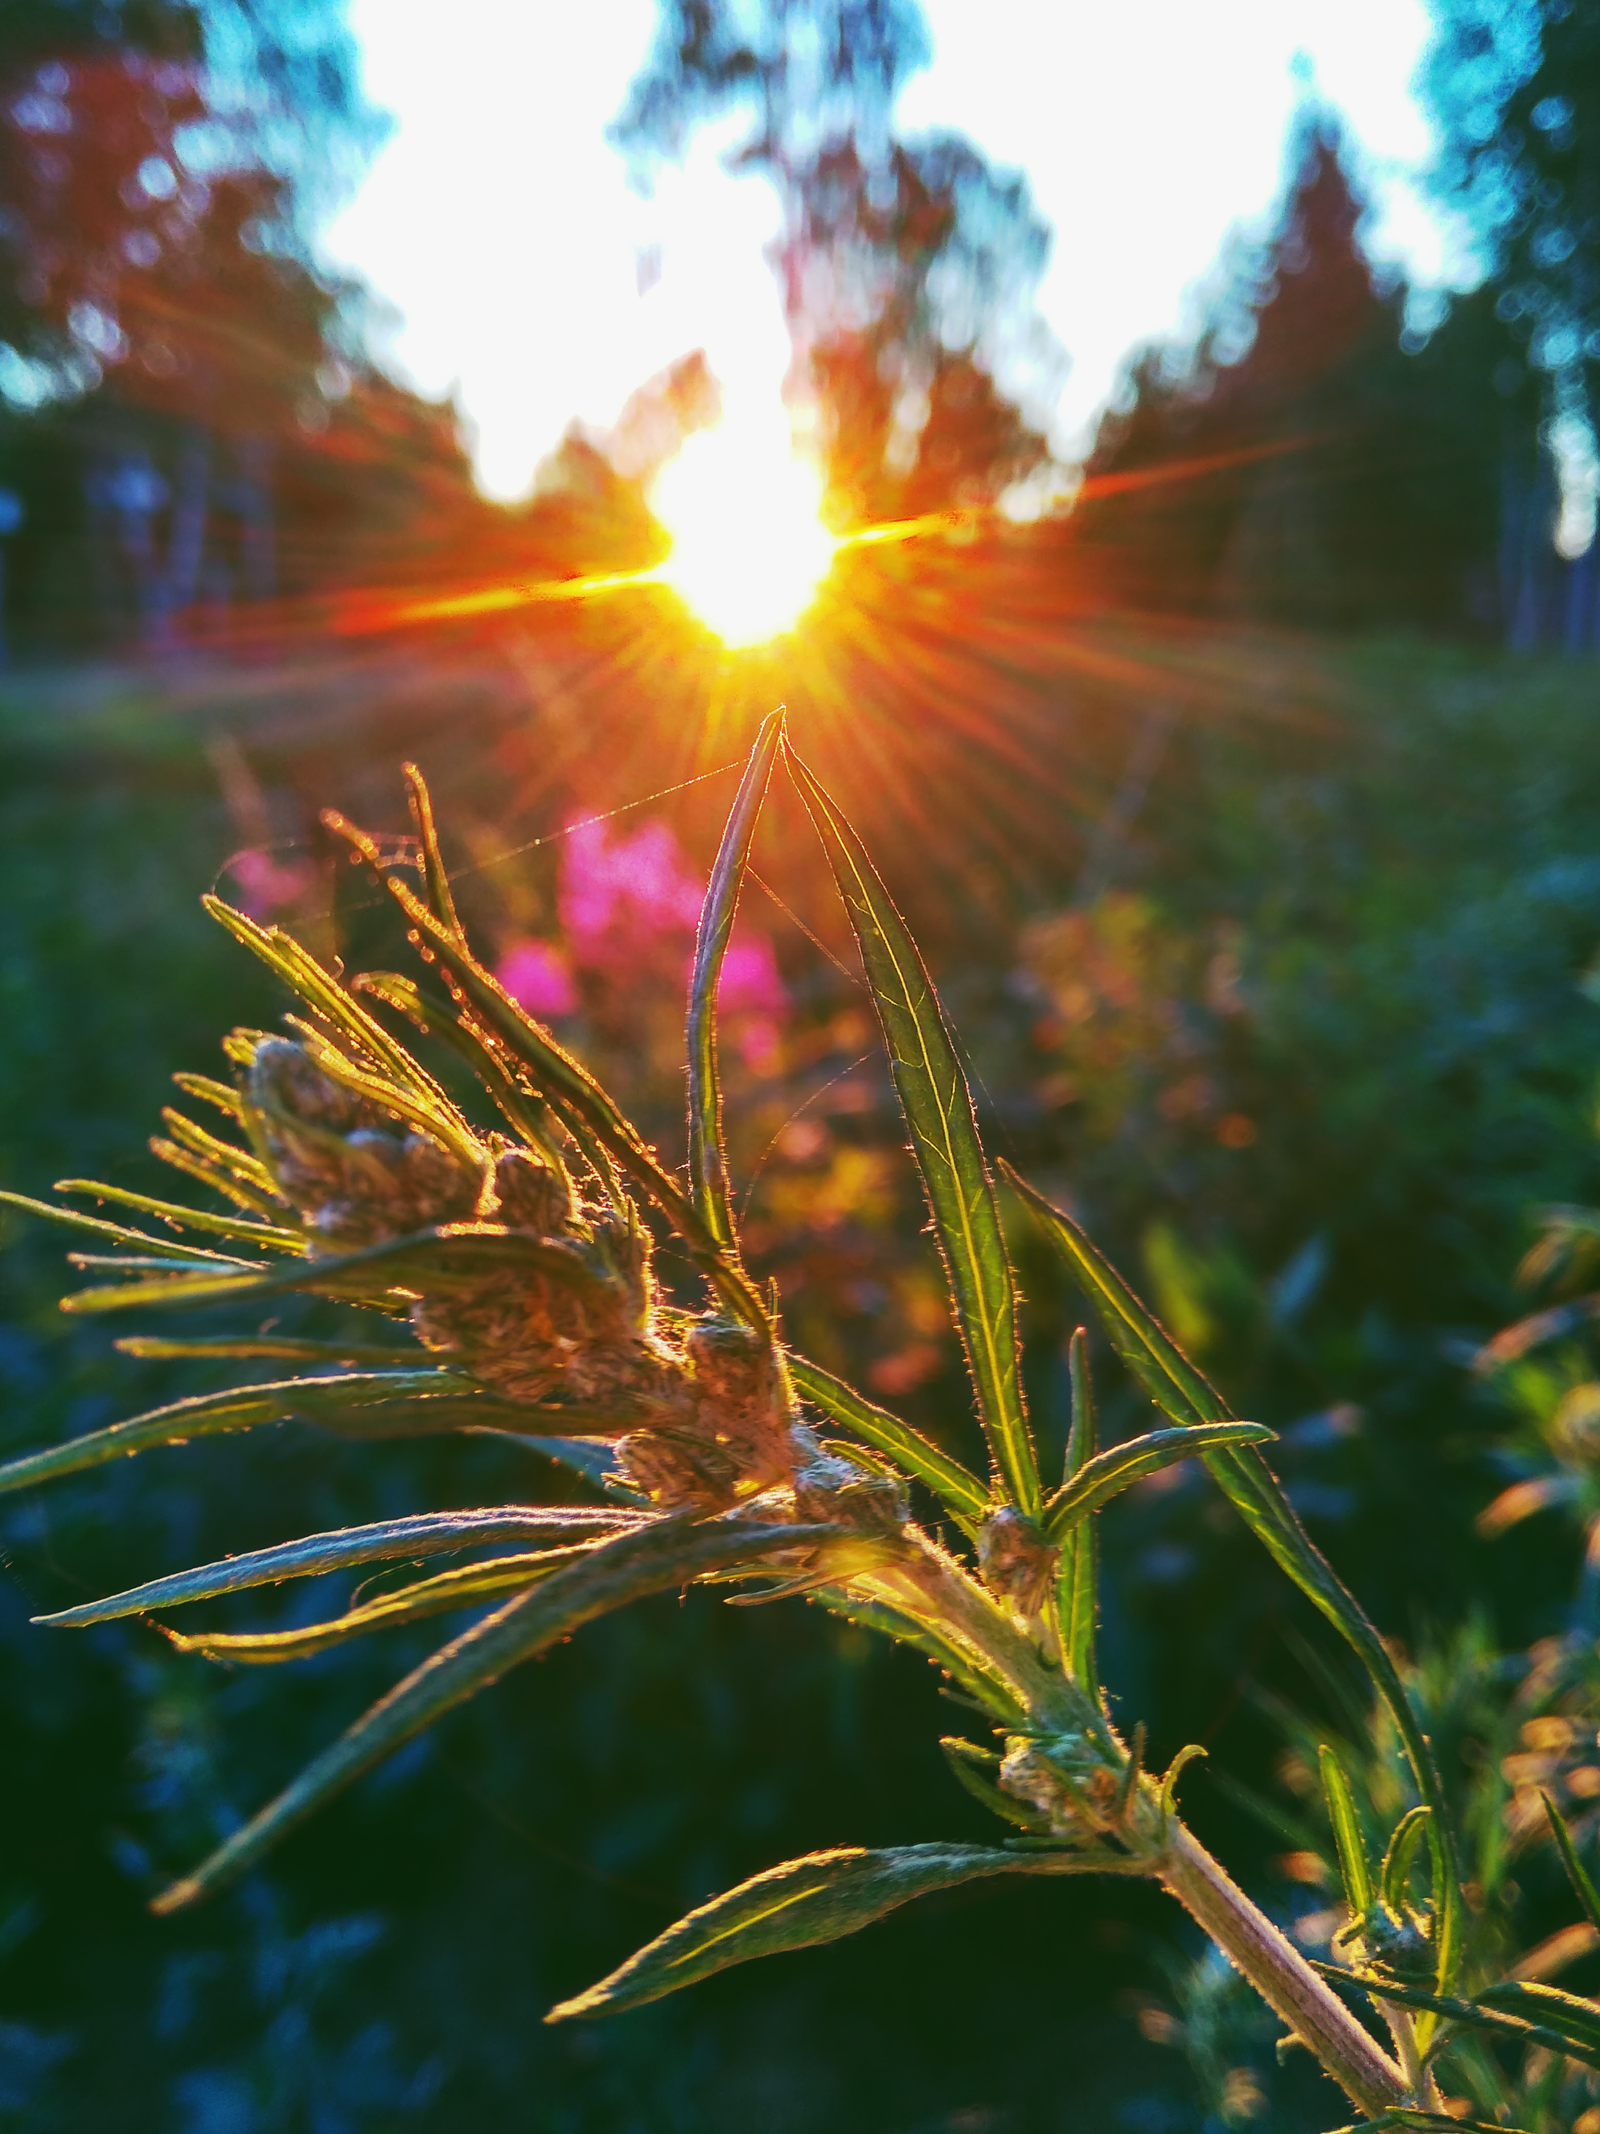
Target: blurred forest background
pixel 1249 810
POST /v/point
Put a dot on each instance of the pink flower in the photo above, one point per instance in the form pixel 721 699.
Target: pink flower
pixel 536 976
pixel 750 978
pixel 614 895
pixel 264 886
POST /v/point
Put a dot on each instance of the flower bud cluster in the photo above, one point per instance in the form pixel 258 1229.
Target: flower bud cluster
pixel 356 1174
pixel 711 1404
pixel 1017 1562
pixel 1065 1778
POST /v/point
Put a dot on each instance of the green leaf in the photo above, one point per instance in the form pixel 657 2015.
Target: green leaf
pixel 1525 2021
pixel 1547 2006
pixel 222 1094
pixel 959 1662
pixel 661 1555
pixel 97 1226
pixel 273 1239
pixel 1187 1397
pixel 1112 1471
pixel 466 1587
pixel 1395 1879
pixel 284 1347
pixel 1347 1838
pixel 226 1156
pixel 321 991
pixel 435 879
pixel 451 1255
pixel 968 1767
pixel 1408 2116
pixel 354 1404
pixel 937 1104
pixel 1078 1571
pixel 221 1178
pixel 951 1483
pixel 434 1115
pixel 818 1899
pixel 524 1109
pixel 1577 1875
pixel 708 1170
pixel 576 1096
pixel 388 1540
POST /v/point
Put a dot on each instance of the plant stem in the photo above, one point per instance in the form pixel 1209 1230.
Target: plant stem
pixel 932 1584
pixel 1280 1974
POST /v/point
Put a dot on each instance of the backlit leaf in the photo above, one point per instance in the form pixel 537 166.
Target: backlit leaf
pixel 937 1104
pixel 661 1555
pixel 914 1454
pixel 354 1404
pixel 818 1899
pixel 1119 1466
pixel 708 1173
pixel 1078 1569
pixel 576 1096
pixel 1185 1395
pixel 387 1540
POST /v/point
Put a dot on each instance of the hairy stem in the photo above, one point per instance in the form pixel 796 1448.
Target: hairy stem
pixel 1280 1974
pixel 931 1584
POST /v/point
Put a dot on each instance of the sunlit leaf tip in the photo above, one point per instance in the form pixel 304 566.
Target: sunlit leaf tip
pixel 937 1104
pixel 707 1158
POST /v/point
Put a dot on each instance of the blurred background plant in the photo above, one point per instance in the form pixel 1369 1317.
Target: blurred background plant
pixel 1248 812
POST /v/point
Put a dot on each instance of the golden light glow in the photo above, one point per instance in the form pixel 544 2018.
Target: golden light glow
pixel 749 549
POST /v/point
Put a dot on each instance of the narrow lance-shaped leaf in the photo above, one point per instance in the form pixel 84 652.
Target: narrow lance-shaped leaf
pixel 937 1104
pixel 526 1112
pixel 582 1104
pixel 1174 1384
pixel 385 1541
pixel 1114 1470
pixel 435 879
pixel 916 1455
pixel 354 1404
pixel 708 1172
pixel 661 1555
pixel 987 1691
pixel 1395 1877
pixel 1577 1874
pixel 119 1233
pixel 246 1170
pixel 818 1899
pixel 1078 1570
pixel 285 1348
pixel 273 1238
pixel 468 1586
pixel 1347 1838
pixel 452 1252
pixel 320 990
pixel 1532 2014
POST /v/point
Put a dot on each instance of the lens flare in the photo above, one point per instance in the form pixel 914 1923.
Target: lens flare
pixel 749 549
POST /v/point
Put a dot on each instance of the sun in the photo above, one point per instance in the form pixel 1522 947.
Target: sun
pixel 749 549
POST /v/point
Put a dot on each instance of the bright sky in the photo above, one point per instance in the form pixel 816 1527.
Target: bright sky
pixel 530 281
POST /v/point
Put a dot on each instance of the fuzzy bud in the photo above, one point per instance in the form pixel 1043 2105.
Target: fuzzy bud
pixel 357 1175
pixel 1016 1561
pixel 1065 1779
